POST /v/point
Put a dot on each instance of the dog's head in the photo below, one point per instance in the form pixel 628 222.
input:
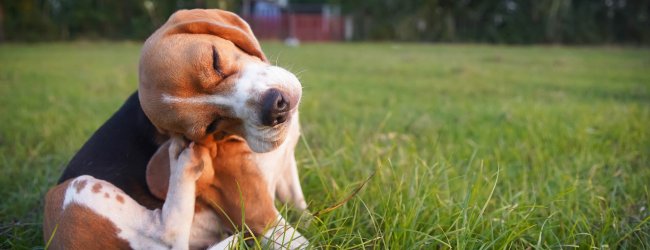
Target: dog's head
pixel 203 74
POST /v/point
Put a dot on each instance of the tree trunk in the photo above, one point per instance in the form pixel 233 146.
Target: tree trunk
pixel 2 25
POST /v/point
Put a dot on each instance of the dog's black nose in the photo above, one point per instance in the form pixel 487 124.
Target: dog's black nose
pixel 275 107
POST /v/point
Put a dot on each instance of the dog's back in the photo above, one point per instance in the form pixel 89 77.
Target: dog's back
pixel 118 152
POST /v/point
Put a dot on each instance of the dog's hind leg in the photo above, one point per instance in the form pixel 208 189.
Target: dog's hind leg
pixel 87 213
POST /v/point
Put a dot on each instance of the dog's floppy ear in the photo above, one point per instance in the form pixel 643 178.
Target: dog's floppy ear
pixel 158 171
pixel 224 24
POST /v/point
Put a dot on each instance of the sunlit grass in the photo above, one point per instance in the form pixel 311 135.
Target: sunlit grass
pixel 472 146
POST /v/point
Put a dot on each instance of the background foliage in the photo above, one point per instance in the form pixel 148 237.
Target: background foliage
pixel 504 21
pixel 494 21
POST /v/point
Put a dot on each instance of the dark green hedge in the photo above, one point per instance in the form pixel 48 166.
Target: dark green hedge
pixel 493 21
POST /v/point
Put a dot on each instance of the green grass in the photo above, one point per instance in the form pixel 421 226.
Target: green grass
pixel 473 146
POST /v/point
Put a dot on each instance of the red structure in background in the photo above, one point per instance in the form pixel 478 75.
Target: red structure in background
pixel 311 23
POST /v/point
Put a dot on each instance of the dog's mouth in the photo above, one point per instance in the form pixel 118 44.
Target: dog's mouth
pixel 218 136
pixel 260 138
pixel 262 146
pixel 265 139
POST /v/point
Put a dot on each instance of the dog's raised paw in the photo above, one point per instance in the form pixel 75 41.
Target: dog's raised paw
pixel 192 161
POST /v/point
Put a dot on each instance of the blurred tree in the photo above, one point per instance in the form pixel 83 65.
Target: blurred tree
pixel 2 15
pixel 494 21
pixel 502 21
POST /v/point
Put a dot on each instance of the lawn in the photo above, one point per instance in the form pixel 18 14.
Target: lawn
pixel 472 146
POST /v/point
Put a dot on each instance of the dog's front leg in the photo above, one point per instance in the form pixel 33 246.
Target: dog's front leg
pixel 283 236
pixel 186 165
pixel 288 189
pixel 280 235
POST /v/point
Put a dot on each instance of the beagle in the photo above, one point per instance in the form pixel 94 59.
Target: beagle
pixel 204 77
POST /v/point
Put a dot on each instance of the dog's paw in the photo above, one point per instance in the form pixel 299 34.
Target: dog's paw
pixel 193 160
pixel 188 161
pixel 176 146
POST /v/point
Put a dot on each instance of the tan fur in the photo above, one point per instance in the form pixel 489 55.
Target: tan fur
pixel 239 182
pixel 82 226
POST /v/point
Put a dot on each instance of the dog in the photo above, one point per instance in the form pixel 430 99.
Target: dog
pixel 202 77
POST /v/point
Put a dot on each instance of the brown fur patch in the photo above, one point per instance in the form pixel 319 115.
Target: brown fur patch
pixel 106 195
pixel 53 205
pixel 97 187
pixel 199 206
pixel 79 185
pixel 119 198
pixel 77 227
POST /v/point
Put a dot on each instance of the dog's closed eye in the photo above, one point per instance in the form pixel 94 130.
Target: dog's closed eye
pixel 212 127
pixel 215 62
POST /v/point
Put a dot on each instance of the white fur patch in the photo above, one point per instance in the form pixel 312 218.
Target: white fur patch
pixel 138 225
pixel 206 99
